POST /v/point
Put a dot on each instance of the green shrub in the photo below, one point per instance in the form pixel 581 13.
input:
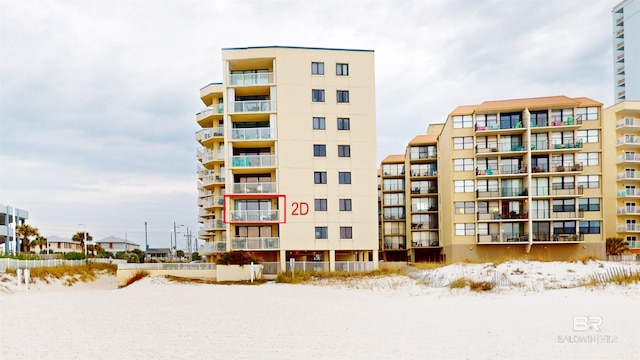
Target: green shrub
pixel 238 258
pixel 73 256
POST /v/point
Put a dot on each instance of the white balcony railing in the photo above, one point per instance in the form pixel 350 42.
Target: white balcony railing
pixel 257 78
pixel 252 106
pixel 211 201
pixel 251 133
pixel 210 110
pixel 628 140
pixel 255 243
pixel 253 161
pixel 254 215
pixel 213 224
pixel 629 175
pixel 628 122
pixel 208 133
pixel 212 179
pixel 254 188
pixel 210 248
pixel 628 158
pixel 206 156
pixel 629 210
pixel 628 228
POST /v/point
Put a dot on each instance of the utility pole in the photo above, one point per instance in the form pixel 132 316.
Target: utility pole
pixel 146 246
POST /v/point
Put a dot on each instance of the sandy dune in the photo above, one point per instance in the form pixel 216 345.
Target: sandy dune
pixel 530 317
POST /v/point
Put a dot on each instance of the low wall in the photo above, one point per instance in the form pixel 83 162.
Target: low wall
pixel 125 274
pixel 237 272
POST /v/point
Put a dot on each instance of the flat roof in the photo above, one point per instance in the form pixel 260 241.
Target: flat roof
pixel 525 103
pixel 293 47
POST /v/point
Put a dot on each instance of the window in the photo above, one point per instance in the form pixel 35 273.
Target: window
pixel 462 121
pixel 342 69
pixel 463 186
pixel 393 199
pixel 588 136
pixel 342 96
pixel 463 164
pixel 392 169
pixel 588 159
pixel 423 152
pixel 564 227
pixel 589 181
pixel 539 118
pixel 563 182
pixel 345 232
pixel 317 68
pixel 320 204
pixel 344 177
pixel 319 177
pixel 344 151
pixel 485 122
pixel 464 207
pixel 345 204
pixel 465 229
pixel 318 123
pixel 319 150
pixel 589 204
pixel 588 113
pixel 564 205
pixel 393 184
pixel 510 120
pixel 322 232
pixel 589 227
pixel 344 124
pixel 465 142
pixel 317 95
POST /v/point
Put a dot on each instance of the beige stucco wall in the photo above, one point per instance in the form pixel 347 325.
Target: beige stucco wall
pixel 125 274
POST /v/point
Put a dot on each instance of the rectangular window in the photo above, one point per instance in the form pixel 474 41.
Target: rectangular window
pixel 463 186
pixel 345 204
pixel 344 150
pixel 322 232
pixel 319 177
pixel 589 204
pixel 589 227
pixel 588 113
pixel 317 95
pixel 462 121
pixel 589 181
pixel 319 150
pixel 344 124
pixel 588 159
pixel 588 136
pixel 317 68
pixel 464 207
pixel 564 205
pixel 345 232
pixel 463 164
pixel 320 204
pixel 344 177
pixel 342 69
pixel 464 142
pixel 342 96
pixel 318 123
pixel 465 229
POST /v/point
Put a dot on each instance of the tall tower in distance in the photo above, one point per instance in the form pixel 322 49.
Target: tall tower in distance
pixel 626 50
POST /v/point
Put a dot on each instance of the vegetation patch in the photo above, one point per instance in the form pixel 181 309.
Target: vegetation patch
pixel 71 274
pixel 480 285
pixel 302 277
pixel 459 283
pixel 138 275
pixel 184 280
pixel 238 258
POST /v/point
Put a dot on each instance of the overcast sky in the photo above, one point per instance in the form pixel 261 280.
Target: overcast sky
pixel 98 98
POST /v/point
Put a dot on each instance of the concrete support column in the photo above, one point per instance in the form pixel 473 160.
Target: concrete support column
pixel 283 260
pixel 375 259
pixel 332 260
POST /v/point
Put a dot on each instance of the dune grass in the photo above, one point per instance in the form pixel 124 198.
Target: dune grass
pixel 70 275
pixel 137 276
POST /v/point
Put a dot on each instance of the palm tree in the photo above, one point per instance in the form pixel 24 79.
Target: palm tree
pixel 79 237
pixel 95 249
pixel 25 232
pixel 39 241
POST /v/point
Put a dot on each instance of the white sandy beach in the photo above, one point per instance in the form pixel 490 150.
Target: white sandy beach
pixel 530 317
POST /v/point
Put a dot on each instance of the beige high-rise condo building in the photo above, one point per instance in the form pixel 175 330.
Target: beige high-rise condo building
pixel 519 178
pixel 287 158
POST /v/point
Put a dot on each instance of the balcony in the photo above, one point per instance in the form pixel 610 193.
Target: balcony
pixel 504 192
pixel 421 208
pixel 212 201
pixel 425 243
pixel 566 215
pixel 395 217
pixel 393 187
pixel 630 158
pixel 260 133
pixel 504 238
pixel 557 121
pixel 620 70
pixel 210 248
pixel 566 145
pixel 494 127
pixel 212 179
pixel 425 173
pixel 503 170
pixel 255 243
pixel 249 79
pixel 245 161
pixel 217 109
pixel 214 225
pixel 430 190
pixel 252 106
pixel 254 216
pixel 254 188
pixel 620 45
pixel 513 215
pixel 628 228
pixel 620 21
pixel 424 226
pixel 628 175
pixel 620 58
pixel 629 210
pixel 567 168
pixel 209 133
pixel 630 193
pixel 395 245
pixel 628 141
pixel 207 156
pixel 628 123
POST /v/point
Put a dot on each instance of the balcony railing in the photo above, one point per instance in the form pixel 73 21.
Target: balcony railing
pixel 425 243
pixel 254 215
pixel 629 175
pixel 567 144
pixel 424 225
pixel 567 214
pixel 394 245
pixel 210 248
pixel 214 224
pixel 212 179
pixel 424 190
pixel 255 243
pixel 422 208
pixel 628 122
pixel 495 126
pixel 513 215
pixel 393 187
pixel 208 133
pixel 504 192
pixel 254 188
pixel 628 228
pixel 566 167
pixel 424 173
pixel 628 140
pixel 253 161
pixel 253 106
pixel 210 110
pixel 628 193
pixel 263 133
pixel 629 210
pixel 628 158
pixel 206 156
pixel 565 121
pixel 211 201
pixel 523 238
pixel 261 78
